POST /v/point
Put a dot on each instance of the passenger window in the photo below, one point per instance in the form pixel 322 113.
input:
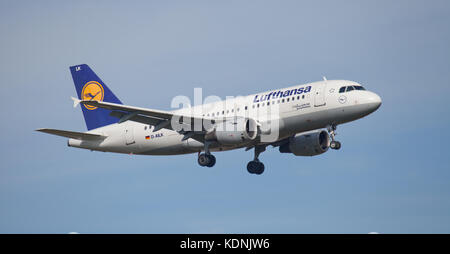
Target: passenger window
pixel 287 100
pixel 303 97
pixel 282 101
pixel 245 107
pixel 298 97
pixel 268 103
pixel 342 89
pixel 349 88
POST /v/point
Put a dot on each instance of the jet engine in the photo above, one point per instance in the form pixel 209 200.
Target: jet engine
pixel 307 144
pixel 234 131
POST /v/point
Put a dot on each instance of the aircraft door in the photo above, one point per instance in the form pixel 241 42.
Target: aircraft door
pixel 129 135
pixel 319 95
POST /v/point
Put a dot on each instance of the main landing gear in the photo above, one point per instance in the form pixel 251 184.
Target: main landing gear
pixel 206 159
pixel 255 166
pixel 336 145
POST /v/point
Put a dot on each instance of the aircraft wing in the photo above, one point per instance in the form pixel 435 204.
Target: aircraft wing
pixel 143 111
pixel 159 118
pixel 73 134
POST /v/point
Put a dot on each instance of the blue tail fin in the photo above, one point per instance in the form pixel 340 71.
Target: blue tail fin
pixel 90 87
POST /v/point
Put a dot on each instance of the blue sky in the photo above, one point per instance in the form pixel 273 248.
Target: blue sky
pixel 391 175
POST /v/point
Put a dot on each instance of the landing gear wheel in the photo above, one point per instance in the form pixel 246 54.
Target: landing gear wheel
pixel 212 160
pixel 255 167
pixel 206 160
pixel 336 145
pixel 203 160
pixel 260 169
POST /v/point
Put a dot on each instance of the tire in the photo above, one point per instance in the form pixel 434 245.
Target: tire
pixel 203 160
pixel 333 145
pixel 260 168
pixel 212 160
pixel 251 167
pixel 255 167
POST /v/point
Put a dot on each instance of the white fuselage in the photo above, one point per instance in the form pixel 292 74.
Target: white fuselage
pixel 296 112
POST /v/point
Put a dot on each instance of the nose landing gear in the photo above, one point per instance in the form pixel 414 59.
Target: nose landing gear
pixel 336 145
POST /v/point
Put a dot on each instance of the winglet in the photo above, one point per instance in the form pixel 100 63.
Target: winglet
pixel 75 101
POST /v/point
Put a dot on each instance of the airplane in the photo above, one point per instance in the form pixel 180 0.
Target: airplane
pixel 300 120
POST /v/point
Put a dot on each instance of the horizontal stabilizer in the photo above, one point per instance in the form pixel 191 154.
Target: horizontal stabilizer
pixel 73 134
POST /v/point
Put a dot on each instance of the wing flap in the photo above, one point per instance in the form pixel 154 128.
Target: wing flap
pixel 73 134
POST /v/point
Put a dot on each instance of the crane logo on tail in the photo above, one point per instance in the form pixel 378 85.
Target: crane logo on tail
pixel 92 91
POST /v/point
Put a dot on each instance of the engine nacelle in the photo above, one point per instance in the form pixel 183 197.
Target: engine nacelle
pixel 307 144
pixel 234 131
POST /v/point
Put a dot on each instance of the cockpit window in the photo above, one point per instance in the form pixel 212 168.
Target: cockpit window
pixel 350 88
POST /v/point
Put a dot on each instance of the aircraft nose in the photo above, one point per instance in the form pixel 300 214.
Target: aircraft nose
pixel 374 101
